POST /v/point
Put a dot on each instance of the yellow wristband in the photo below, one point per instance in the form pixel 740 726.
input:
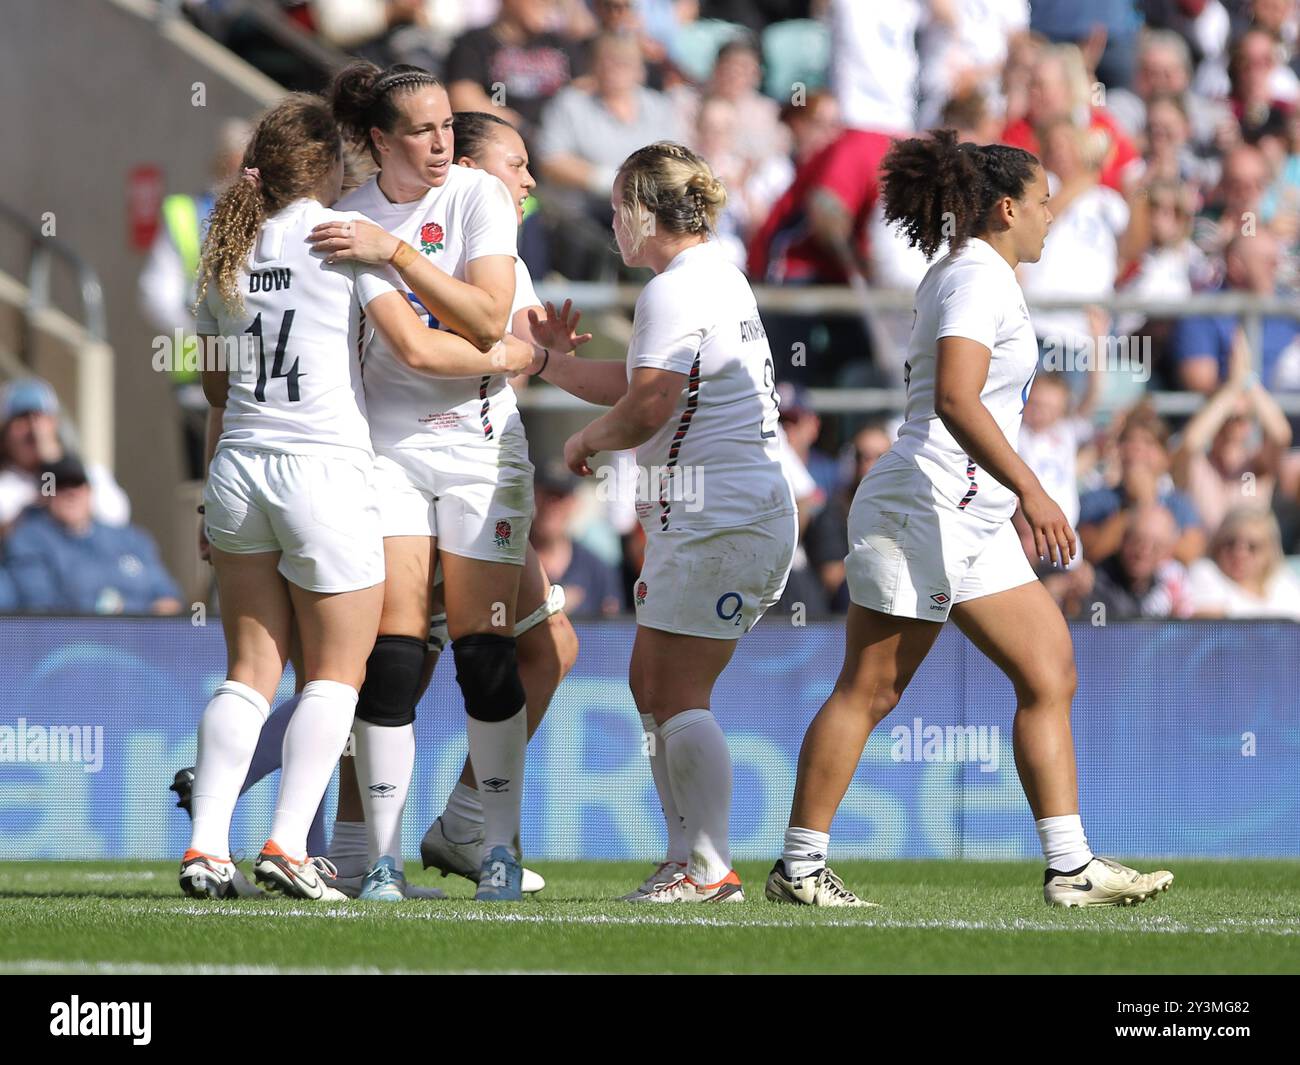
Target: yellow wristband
pixel 403 256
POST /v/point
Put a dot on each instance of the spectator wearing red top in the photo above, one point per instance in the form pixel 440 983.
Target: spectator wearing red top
pixel 1060 88
pixel 815 234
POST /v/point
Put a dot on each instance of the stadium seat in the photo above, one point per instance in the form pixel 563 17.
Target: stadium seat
pixel 697 45
pixel 797 50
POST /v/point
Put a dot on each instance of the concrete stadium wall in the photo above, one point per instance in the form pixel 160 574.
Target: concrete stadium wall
pixel 90 90
pixel 59 349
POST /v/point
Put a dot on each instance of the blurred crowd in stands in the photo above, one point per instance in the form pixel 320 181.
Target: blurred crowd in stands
pixel 68 543
pixel 1171 133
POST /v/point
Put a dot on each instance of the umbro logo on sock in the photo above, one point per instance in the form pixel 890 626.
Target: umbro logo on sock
pixel 496 784
pixel 382 789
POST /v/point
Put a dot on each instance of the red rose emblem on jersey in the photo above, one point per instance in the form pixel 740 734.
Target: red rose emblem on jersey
pixel 503 534
pixel 431 238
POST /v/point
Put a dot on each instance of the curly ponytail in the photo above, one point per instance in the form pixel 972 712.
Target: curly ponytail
pixel 938 190
pixel 232 227
pixel 291 150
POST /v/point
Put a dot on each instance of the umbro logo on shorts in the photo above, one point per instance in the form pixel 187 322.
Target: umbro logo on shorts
pixel 496 784
pixel 381 789
pixel 940 597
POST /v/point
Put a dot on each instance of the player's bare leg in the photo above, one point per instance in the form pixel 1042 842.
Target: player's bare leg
pixel 672 678
pixel 881 655
pixel 1023 633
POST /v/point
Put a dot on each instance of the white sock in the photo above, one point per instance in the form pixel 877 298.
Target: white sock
pixel 496 750
pixel 462 820
pixel 313 743
pixel 678 847
pixel 805 851
pixel 349 848
pixel 228 733
pixel 1064 845
pixel 385 759
pixel 699 770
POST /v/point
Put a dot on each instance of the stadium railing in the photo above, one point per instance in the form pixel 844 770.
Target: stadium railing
pixel 822 300
pixel 70 349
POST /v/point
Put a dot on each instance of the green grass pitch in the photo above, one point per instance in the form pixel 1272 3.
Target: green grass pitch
pixel 934 917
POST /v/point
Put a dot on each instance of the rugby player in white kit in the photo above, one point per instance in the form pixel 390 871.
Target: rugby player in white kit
pixel 452 469
pixel 289 508
pixel 547 644
pixel 697 400
pixel 931 533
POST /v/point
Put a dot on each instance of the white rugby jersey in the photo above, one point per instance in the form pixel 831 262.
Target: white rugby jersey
pixel 972 294
pixel 716 462
pixel 299 391
pixel 525 293
pixel 467 217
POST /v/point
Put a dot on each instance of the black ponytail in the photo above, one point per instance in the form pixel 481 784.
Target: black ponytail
pixel 938 190
pixel 362 98
pixel 472 130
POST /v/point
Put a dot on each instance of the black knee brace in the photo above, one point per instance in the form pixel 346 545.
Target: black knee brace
pixel 392 684
pixel 488 675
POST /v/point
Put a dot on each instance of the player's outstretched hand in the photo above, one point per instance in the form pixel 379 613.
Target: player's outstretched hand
pixel 558 331
pixel 355 240
pixel 576 454
pixel 1053 537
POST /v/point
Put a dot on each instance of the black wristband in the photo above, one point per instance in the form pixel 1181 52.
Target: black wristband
pixel 542 369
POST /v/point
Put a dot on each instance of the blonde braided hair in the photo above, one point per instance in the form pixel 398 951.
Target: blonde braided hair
pixel 671 185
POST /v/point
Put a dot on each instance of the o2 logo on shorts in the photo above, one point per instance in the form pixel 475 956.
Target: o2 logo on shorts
pixel 729 607
pixel 641 591
pixel 502 536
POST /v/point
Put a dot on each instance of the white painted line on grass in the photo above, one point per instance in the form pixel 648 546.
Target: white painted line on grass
pixel 1144 924
pixel 136 968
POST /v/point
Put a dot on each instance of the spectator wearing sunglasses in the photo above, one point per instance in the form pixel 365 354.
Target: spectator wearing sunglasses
pixel 1245 575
